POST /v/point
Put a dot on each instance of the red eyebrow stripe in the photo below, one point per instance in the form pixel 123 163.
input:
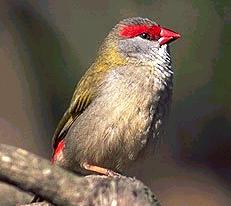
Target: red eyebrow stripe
pixel 135 30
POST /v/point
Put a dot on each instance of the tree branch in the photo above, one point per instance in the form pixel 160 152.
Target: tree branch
pixel 61 187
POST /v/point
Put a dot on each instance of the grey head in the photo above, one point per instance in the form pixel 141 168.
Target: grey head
pixel 143 39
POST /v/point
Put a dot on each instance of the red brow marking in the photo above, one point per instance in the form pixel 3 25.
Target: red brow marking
pixel 135 30
pixel 57 151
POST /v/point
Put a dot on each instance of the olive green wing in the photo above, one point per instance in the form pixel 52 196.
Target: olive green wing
pixel 82 97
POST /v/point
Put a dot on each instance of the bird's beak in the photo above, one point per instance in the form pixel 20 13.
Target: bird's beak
pixel 167 36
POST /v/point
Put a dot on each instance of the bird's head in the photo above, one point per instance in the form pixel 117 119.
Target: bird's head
pixel 141 37
pixel 136 39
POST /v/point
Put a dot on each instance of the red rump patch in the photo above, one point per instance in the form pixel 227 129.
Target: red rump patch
pixel 135 30
pixel 58 151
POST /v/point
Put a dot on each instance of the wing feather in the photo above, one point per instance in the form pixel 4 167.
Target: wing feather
pixel 84 94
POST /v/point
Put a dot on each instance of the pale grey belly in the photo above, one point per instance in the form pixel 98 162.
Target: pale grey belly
pixel 106 141
pixel 113 145
pixel 114 130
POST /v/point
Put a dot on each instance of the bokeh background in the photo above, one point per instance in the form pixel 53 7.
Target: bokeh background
pixel 46 46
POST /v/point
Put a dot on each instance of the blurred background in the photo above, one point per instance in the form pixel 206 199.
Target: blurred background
pixel 46 46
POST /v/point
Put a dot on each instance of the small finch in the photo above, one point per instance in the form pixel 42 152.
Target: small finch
pixel 119 105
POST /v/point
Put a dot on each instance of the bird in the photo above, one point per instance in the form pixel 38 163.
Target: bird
pixel 119 106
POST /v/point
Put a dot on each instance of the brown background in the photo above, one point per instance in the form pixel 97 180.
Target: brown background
pixel 46 45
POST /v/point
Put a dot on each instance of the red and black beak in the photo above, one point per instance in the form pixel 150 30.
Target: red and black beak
pixel 167 36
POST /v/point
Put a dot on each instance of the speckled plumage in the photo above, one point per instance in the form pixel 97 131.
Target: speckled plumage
pixel 119 104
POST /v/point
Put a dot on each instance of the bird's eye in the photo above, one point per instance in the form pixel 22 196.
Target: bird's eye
pixel 145 36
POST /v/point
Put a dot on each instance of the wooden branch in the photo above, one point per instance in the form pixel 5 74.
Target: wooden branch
pixel 10 195
pixel 61 187
pixel 39 204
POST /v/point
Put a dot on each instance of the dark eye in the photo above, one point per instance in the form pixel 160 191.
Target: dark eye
pixel 145 36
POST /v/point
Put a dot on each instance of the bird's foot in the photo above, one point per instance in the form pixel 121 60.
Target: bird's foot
pixel 100 170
